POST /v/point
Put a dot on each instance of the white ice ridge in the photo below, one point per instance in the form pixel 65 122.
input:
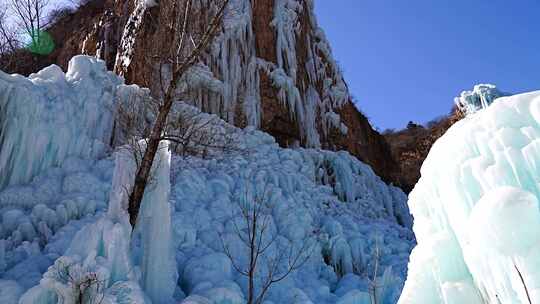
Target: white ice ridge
pixel 51 116
pixel 481 96
pixel 476 210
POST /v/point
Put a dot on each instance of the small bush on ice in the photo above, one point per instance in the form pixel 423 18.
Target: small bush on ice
pixel 75 283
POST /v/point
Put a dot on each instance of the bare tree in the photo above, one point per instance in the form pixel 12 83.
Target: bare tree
pixel 187 48
pixel 86 286
pixel 373 283
pixel 377 279
pixel 189 131
pixel 523 283
pixel 31 17
pixel 270 259
pixel 9 42
pixel 196 133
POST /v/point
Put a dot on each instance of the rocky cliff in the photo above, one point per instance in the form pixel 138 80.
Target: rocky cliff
pixel 410 146
pixel 272 59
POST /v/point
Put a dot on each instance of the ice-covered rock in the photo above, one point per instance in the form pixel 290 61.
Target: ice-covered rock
pixel 476 210
pixel 10 292
pixel 481 96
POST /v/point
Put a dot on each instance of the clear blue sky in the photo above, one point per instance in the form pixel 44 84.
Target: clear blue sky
pixel 407 59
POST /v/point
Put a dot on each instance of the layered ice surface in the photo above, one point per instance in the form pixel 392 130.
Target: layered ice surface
pixel 331 197
pixel 476 210
pixel 38 220
pixel 64 227
pixel 349 213
pixel 51 116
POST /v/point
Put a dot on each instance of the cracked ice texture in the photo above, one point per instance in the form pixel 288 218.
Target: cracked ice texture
pixel 477 218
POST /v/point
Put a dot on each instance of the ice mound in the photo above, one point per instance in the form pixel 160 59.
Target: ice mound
pixel 38 220
pixel 476 210
pixel 51 116
pixel 331 196
pixel 108 263
pixel 348 211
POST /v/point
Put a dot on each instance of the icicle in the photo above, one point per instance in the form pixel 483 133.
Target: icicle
pixel 129 37
pixel 154 229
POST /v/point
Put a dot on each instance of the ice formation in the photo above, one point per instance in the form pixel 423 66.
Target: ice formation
pixel 150 3
pixel 331 196
pixel 152 238
pixel 107 263
pixel 129 35
pixel 233 59
pixel 68 225
pixel 479 98
pixel 476 210
pixel 50 116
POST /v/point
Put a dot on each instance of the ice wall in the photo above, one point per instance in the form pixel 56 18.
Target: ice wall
pixel 234 60
pixel 50 116
pixel 476 210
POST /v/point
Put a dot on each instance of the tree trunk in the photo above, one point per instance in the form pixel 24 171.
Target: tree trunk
pixel 141 179
pixel 143 172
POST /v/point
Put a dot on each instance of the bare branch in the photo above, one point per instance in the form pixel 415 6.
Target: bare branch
pixel 280 262
pixel 179 68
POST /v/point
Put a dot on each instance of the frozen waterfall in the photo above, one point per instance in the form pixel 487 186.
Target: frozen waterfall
pixel 476 210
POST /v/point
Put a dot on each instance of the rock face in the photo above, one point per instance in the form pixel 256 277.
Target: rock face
pixel 273 62
pixel 411 146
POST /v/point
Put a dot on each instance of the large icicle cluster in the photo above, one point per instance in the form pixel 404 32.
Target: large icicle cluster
pixel 303 99
pixel 481 96
pixel 233 59
pixel 50 116
pixel 126 49
pixel 476 210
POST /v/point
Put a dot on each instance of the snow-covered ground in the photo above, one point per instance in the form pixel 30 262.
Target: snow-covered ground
pixel 64 229
pixel 476 209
